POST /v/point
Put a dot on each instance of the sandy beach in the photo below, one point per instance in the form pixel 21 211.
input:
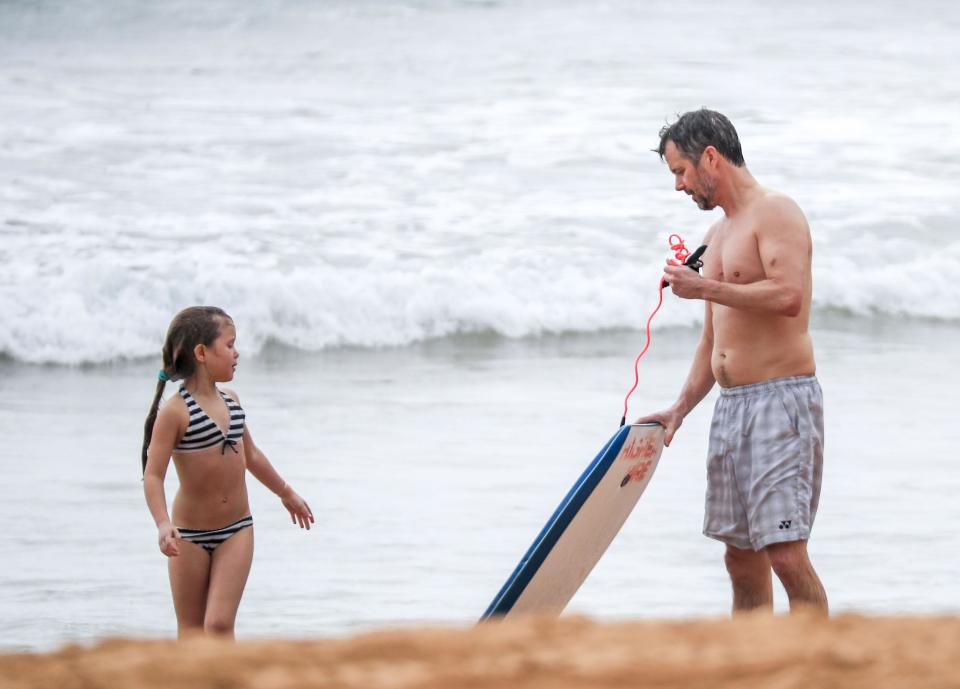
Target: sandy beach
pixel 759 650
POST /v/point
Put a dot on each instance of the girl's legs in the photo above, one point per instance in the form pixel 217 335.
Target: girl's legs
pixel 229 567
pixel 189 578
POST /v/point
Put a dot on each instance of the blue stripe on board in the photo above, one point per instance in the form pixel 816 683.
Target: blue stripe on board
pixel 557 524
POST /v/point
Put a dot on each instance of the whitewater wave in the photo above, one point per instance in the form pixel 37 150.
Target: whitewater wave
pixel 98 311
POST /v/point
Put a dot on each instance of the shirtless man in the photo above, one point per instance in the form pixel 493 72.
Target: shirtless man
pixel 766 438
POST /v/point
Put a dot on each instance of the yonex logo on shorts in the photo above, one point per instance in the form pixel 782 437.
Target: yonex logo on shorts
pixel 785 524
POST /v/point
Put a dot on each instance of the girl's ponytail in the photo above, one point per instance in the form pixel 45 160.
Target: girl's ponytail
pixel 151 419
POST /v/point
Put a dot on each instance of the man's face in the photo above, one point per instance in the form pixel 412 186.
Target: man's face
pixel 690 178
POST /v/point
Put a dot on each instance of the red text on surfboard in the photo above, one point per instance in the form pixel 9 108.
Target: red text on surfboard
pixel 642 450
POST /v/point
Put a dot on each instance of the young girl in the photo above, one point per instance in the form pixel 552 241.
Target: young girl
pixel 209 541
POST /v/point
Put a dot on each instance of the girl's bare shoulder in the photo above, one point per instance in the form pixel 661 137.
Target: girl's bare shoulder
pixel 173 410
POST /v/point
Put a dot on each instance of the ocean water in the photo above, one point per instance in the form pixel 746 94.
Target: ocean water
pixel 439 227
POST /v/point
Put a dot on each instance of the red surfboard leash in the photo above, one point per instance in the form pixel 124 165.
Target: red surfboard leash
pixel 682 256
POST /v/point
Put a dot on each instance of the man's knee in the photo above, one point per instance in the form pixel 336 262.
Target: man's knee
pixel 745 564
pixel 788 560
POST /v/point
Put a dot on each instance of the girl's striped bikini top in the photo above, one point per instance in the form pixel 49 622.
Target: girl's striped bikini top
pixel 203 432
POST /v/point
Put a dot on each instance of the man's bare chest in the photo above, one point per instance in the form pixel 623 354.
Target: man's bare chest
pixel 733 257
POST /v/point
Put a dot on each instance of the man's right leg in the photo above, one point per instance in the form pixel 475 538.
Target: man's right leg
pixel 751 579
pixel 792 564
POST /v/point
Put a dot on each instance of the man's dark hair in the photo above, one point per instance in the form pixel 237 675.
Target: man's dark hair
pixel 697 129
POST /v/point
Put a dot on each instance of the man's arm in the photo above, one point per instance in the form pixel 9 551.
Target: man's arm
pixel 783 241
pixel 699 382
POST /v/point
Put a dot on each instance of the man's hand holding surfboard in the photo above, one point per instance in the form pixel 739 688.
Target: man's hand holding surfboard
pixel 670 419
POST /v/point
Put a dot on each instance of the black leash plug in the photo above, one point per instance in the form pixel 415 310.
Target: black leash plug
pixel 693 261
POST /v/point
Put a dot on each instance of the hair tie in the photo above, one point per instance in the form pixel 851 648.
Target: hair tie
pixel 162 376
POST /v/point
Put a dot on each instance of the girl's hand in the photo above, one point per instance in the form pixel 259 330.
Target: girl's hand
pixel 169 539
pixel 297 507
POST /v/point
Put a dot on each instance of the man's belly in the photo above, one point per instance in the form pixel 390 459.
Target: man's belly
pixel 753 355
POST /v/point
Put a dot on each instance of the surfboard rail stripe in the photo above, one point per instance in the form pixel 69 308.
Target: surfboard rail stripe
pixel 554 528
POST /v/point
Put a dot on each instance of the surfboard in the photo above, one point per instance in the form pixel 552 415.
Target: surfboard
pixel 583 526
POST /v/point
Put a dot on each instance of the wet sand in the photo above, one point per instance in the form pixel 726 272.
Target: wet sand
pixel 773 652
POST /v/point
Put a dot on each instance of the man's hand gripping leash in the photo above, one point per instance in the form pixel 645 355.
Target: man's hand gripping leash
pixel 683 255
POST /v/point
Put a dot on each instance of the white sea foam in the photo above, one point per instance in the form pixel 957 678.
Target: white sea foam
pixel 100 310
pixel 357 174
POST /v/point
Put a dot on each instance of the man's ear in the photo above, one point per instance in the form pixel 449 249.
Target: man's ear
pixel 199 352
pixel 711 157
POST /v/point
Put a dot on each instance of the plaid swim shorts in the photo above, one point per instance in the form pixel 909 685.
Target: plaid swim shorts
pixel 765 462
